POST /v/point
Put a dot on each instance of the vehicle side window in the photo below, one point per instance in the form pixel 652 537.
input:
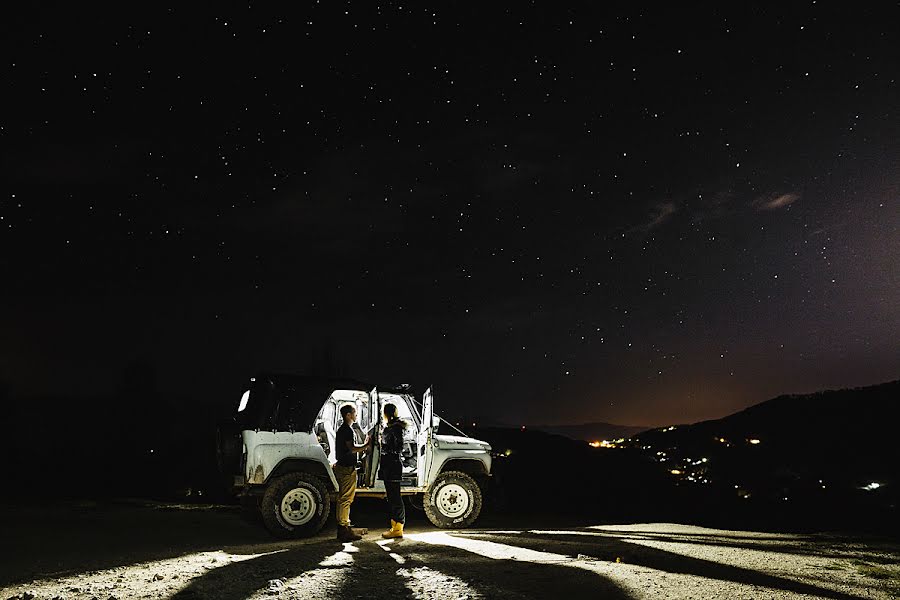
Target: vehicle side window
pixel 289 416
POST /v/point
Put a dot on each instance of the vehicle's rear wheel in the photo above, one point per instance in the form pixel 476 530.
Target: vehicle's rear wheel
pixel 453 500
pixel 415 501
pixel 295 505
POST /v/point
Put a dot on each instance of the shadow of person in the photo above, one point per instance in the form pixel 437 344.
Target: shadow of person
pixel 377 574
pixel 503 578
pixel 239 580
pixel 611 548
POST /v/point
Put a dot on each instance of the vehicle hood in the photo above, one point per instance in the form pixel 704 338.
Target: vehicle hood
pixel 458 441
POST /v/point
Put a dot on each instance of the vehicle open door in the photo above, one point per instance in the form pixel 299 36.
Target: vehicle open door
pixel 426 437
pixel 373 456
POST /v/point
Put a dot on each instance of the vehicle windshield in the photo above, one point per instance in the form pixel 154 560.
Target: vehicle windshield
pixel 404 408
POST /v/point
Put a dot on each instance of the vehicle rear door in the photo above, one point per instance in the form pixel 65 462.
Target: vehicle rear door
pixel 373 456
pixel 425 439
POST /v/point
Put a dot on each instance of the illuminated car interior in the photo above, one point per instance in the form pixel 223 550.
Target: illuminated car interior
pixel 329 420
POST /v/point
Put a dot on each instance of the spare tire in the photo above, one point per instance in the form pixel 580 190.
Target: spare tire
pixel 229 449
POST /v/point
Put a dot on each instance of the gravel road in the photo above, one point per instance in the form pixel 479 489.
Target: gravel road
pixel 155 551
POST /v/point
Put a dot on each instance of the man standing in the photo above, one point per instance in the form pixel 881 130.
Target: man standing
pixel 345 472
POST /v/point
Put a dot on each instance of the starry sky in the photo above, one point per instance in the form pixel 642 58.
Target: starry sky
pixel 555 215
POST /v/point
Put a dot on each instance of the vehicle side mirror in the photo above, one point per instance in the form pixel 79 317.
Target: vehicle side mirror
pixel 435 421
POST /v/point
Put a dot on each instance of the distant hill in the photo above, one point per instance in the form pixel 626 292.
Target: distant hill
pixel 848 420
pixel 591 431
pixel 833 439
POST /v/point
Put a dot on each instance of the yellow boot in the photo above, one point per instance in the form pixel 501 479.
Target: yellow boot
pixel 396 530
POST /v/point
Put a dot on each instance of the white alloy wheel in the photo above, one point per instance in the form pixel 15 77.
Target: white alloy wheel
pixel 452 500
pixel 298 506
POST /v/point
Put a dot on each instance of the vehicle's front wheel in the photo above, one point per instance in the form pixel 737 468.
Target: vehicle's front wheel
pixel 295 505
pixel 453 500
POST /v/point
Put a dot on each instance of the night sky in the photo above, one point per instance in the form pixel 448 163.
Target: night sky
pixel 555 215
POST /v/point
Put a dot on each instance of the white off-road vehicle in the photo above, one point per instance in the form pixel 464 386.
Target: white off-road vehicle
pixel 279 448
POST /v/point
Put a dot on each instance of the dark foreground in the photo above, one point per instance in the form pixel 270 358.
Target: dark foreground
pixel 135 550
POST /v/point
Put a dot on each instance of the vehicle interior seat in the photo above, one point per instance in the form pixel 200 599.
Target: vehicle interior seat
pixel 325 423
pixel 408 457
pixel 322 436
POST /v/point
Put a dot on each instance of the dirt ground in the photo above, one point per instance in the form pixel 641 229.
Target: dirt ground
pixel 141 550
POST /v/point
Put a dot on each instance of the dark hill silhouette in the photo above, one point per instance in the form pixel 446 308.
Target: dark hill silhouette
pixel 855 411
pixel 828 459
pixel 845 436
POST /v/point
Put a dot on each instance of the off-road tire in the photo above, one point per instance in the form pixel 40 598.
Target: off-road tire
pixel 444 506
pixel 316 500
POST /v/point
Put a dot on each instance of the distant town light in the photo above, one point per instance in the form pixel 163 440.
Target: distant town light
pixel 871 486
pixel 605 444
pixel 675 472
pixel 754 441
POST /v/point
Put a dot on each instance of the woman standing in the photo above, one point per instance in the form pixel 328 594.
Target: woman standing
pixel 392 470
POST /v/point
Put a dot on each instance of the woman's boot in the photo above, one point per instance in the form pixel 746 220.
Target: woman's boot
pixel 396 530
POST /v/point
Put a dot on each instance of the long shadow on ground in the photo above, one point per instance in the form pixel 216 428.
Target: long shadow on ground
pixel 610 548
pixel 806 545
pixel 239 580
pixel 495 578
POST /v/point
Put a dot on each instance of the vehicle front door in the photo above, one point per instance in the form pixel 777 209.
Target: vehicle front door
pixel 373 456
pixel 425 440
